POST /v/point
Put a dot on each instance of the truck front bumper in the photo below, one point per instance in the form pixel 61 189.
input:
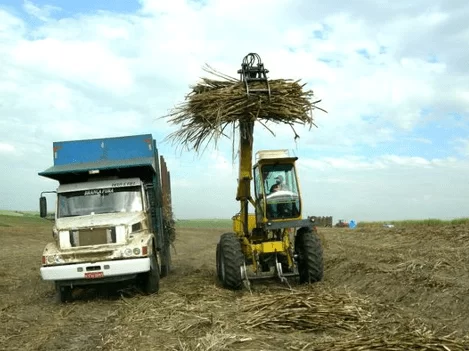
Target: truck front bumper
pixel 96 271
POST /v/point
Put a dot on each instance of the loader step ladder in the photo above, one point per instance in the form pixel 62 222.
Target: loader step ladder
pixel 253 71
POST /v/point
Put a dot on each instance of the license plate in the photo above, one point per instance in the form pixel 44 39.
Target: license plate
pixel 94 275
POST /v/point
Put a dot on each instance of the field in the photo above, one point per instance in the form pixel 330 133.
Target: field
pixel 401 288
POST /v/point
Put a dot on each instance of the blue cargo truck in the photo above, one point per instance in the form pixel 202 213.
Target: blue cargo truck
pixel 113 217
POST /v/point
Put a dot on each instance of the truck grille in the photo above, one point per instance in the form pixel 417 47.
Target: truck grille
pixel 96 236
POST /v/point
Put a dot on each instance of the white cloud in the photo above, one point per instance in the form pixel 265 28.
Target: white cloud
pixel 360 163
pixel 11 29
pixel 392 187
pixel 6 148
pixel 421 140
pixel 219 161
pixel 463 146
pixel 183 183
pixel 42 13
pixel 76 61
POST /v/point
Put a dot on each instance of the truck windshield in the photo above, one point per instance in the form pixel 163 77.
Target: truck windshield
pixel 96 201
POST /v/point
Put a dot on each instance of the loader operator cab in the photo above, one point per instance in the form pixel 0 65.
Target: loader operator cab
pixel 276 188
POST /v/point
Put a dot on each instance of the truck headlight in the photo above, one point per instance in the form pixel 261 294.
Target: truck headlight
pixel 51 259
pixel 136 251
pixel 128 252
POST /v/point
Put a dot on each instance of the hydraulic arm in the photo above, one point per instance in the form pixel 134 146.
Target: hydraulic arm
pixel 252 70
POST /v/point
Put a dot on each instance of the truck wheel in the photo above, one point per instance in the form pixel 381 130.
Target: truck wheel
pixel 166 260
pixel 151 279
pixel 310 256
pixel 62 293
pixel 231 259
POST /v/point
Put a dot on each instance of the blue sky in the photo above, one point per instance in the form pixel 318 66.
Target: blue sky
pixel 393 145
pixel 62 9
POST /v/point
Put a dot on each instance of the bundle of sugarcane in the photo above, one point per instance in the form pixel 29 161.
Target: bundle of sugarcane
pixel 215 105
pixel 168 219
pixel 396 342
pixel 303 310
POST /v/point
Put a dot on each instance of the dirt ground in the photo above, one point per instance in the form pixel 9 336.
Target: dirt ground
pixel 382 286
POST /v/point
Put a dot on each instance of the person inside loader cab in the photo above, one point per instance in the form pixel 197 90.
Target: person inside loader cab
pixel 274 209
pixel 279 185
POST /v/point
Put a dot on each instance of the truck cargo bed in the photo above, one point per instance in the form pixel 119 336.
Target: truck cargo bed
pixel 108 156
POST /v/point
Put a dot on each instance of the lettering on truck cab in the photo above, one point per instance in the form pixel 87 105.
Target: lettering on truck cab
pixel 121 184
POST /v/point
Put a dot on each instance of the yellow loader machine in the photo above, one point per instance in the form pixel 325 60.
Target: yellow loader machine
pixel 275 241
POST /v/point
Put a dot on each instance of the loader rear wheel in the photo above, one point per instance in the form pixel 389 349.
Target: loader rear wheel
pixel 230 259
pixel 310 256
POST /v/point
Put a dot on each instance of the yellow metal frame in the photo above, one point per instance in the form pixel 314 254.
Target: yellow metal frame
pixel 238 223
pixel 250 248
pixel 282 247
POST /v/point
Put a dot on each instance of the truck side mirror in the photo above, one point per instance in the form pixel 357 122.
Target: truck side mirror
pixel 43 206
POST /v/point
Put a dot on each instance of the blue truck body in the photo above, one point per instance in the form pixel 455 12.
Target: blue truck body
pixel 82 156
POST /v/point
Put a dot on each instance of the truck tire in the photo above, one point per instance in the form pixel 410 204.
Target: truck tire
pixel 166 260
pixel 62 293
pixel 231 259
pixel 310 256
pixel 151 279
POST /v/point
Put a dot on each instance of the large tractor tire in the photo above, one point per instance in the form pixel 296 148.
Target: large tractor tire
pixel 310 256
pixel 218 260
pixel 229 261
pixel 150 281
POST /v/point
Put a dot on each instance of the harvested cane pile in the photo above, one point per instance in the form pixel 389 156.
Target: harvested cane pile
pixel 216 105
pixel 305 310
pixel 169 223
pixel 397 342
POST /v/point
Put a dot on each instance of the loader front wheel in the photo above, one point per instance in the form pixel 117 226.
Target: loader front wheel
pixel 310 256
pixel 230 260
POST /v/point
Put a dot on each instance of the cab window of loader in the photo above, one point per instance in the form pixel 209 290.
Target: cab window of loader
pixel 279 177
pixel 257 183
pixel 281 188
